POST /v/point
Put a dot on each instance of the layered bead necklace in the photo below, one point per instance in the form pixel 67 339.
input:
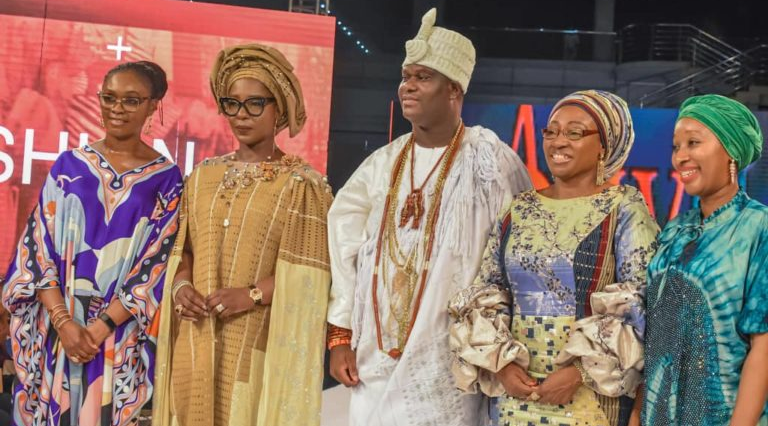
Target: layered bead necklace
pixel 407 275
pixel 241 175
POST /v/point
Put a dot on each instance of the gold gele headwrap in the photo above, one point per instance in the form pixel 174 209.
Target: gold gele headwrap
pixel 271 68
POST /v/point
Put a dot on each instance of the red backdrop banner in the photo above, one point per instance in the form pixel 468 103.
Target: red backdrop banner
pixel 54 54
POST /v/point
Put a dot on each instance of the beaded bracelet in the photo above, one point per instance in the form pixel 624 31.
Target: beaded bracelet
pixel 338 342
pixel 586 380
pixel 338 336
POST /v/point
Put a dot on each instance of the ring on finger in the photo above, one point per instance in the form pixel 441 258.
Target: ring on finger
pixel 220 308
pixel 534 396
pixel 179 308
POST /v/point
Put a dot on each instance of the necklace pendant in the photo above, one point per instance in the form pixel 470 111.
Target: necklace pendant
pixel 406 213
pixel 395 353
pixel 226 223
pixel 418 212
pixel 413 209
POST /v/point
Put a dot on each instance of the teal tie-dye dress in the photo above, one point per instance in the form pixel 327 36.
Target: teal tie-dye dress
pixel 707 292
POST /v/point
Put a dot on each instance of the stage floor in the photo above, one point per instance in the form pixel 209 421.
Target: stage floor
pixel 335 411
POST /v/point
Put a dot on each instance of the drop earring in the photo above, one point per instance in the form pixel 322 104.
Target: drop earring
pixel 600 171
pixel 732 169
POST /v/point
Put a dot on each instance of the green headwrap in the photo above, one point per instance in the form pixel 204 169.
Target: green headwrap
pixel 733 124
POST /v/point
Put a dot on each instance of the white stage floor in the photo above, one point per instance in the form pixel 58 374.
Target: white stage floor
pixel 335 411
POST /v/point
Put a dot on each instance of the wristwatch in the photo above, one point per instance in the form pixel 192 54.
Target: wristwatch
pixel 108 321
pixel 255 294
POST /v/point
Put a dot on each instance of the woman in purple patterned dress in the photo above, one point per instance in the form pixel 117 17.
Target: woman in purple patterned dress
pixel 84 286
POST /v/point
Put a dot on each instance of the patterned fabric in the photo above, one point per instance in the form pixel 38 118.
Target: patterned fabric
pixel 575 270
pixel 543 336
pixel 263 367
pixel 96 235
pixel 611 114
pixel 733 123
pixel 707 292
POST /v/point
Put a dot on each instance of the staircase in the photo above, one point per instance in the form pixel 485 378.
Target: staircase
pixel 715 66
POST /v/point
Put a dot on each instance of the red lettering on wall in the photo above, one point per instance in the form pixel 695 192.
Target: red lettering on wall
pixel 677 200
pixel 644 178
pixel 524 126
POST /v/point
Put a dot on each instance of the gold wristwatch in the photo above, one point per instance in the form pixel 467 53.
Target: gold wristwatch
pixel 255 294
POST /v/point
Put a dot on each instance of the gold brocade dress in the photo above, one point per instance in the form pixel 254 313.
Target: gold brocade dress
pixel 263 367
pixel 561 283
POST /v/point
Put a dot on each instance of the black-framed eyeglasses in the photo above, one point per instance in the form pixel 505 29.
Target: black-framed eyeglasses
pixel 129 103
pixel 253 106
pixel 574 134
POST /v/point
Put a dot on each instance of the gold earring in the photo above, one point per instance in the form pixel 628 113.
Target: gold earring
pixel 148 129
pixel 600 171
pixel 732 170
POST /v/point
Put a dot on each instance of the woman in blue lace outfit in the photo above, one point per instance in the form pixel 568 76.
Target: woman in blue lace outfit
pixel 707 302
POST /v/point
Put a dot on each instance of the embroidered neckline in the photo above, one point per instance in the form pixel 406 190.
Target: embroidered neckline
pixel 105 164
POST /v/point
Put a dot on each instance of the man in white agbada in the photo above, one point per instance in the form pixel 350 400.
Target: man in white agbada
pixel 407 232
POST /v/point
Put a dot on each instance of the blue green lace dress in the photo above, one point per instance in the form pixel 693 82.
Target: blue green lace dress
pixel 707 292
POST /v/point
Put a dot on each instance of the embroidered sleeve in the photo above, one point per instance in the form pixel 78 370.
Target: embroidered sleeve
pixel 480 336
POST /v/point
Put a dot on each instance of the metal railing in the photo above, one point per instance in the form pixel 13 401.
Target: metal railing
pixel 718 66
pixel 759 56
pixel 715 65
pixel 726 77
pixel 672 42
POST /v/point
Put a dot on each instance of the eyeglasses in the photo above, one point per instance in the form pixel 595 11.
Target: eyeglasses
pixel 571 134
pixel 129 103
pixel 253 106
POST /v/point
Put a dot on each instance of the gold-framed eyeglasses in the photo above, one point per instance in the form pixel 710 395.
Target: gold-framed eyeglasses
pixel 573 134
pixel 129 103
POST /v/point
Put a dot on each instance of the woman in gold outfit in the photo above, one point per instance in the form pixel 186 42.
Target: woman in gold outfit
pixel 250 274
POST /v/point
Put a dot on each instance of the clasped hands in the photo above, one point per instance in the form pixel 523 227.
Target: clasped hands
pixel 224 303
pixel 82 344
pixel 557 389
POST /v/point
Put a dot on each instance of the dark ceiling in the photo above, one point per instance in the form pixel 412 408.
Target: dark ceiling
pixel 385 24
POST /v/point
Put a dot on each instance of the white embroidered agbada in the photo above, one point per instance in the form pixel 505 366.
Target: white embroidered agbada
pixel 417 388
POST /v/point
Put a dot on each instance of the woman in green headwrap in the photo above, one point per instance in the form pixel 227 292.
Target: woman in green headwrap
pixel 707 303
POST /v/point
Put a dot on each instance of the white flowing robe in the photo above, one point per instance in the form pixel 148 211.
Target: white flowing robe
pixel 417 389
